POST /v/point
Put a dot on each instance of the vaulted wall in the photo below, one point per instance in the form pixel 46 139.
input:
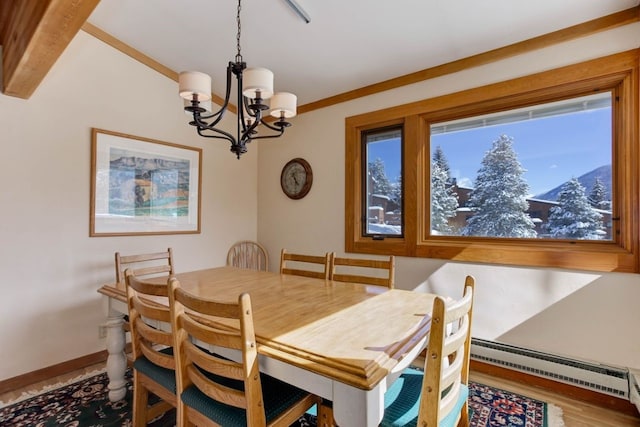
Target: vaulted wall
pixel 50 268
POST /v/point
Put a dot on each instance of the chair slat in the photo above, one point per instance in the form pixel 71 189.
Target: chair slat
pixel 379 272
pixel 216 391
pixel 305 265
pixel 144 264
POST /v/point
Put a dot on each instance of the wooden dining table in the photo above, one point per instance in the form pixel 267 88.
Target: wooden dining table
pixel 344 342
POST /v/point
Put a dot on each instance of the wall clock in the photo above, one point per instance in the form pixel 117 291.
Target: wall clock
pixel 296 178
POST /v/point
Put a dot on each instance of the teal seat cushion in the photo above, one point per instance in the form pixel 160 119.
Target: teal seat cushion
pixel 278 396
pixel 164 377
pixel 402 401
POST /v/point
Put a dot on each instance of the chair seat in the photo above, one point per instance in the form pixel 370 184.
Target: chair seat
pixel 402 401
pixel 278 397
pixel 163 376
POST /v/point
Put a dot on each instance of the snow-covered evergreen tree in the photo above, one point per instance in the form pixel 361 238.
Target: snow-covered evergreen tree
pixel 574 217
pixel 598 196
pixel 381 184
pixel 440 159
pixel 498 198
pixel 444 200
pixel 396 191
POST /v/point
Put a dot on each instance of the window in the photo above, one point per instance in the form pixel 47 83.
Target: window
pixel 383 182
pixel 540 171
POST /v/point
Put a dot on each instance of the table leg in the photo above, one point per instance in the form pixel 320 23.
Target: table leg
pixel 354 407
pixel 117 359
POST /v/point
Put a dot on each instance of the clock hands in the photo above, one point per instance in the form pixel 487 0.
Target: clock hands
pixel 294 175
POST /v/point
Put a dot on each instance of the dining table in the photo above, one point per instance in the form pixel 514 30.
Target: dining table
pixel 345 342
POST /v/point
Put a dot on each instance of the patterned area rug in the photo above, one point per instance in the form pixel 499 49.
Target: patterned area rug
pixel 85 403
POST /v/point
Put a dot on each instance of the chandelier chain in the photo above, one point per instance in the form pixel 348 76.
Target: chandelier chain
pixel 238 56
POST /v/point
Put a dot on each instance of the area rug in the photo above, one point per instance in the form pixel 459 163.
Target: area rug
pixel 84 403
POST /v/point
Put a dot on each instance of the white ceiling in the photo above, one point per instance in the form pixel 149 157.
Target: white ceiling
pixel 347 45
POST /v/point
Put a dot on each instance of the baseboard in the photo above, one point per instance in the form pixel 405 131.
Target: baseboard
pixel 53 371
pixel 578 393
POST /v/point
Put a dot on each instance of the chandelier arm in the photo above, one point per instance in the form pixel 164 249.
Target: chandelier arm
pixel 198 120
pixel 223 134
pixel 246 101
pixel 220 113
pixel 248 130
pixel 267 136
pixel 240 124
pixel 279 129
pixel 244 113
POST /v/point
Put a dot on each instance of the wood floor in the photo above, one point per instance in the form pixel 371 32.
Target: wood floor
pixel 576 413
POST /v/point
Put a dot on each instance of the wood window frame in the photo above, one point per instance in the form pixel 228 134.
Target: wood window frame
pixel 618 72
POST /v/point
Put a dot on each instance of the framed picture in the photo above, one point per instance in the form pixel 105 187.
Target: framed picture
pixel 141 186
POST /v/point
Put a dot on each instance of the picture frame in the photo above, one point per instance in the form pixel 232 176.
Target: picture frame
pixel 142 186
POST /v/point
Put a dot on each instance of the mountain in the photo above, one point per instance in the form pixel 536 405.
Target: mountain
pixel 587 180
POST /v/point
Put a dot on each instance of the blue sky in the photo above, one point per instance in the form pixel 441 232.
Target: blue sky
pixel 550 154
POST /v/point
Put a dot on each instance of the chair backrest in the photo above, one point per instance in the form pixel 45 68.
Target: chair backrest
pixel 447 361
pixel 248 254
pixel 149 320
pixel 144 264
pixel 368 271
pixel 320 265
pixel 204 320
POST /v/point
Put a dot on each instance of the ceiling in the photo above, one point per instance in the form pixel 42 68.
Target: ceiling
pixel 347 44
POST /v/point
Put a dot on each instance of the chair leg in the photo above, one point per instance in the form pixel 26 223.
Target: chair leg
pixel 140 400
pixel 325 415
pixel 464 416
pixel 182 418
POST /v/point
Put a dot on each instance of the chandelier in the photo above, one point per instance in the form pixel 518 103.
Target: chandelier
pixel 254 87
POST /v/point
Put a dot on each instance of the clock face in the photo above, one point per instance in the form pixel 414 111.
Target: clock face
pixel 296 178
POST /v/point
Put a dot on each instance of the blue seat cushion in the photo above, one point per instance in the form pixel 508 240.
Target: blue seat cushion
pixel 277 395
pixel 402 401
pixel 163 376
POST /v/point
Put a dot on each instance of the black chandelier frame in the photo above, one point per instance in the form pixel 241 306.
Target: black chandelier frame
pixel 250 110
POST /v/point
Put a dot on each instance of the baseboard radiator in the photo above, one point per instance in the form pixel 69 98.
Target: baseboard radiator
pixel 596 377
pixel 634 388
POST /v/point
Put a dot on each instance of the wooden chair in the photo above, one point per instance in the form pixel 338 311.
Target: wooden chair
pixel 248 254
pixel 144 264
pixel 215 390
pixel 353 270
pixel 320 264
pixel 153 362
pixel 438 395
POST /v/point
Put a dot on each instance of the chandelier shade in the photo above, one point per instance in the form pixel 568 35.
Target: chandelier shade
pixel 283 104
pixel 254 86
pixel 195 83
pixel 257 83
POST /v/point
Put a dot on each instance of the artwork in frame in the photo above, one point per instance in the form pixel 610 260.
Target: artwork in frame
pixel 142 186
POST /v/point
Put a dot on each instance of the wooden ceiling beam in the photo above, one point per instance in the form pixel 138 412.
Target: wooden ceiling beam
pixel 34 33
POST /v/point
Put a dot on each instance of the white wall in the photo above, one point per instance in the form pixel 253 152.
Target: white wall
pixel 50 267
pixel 560 312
